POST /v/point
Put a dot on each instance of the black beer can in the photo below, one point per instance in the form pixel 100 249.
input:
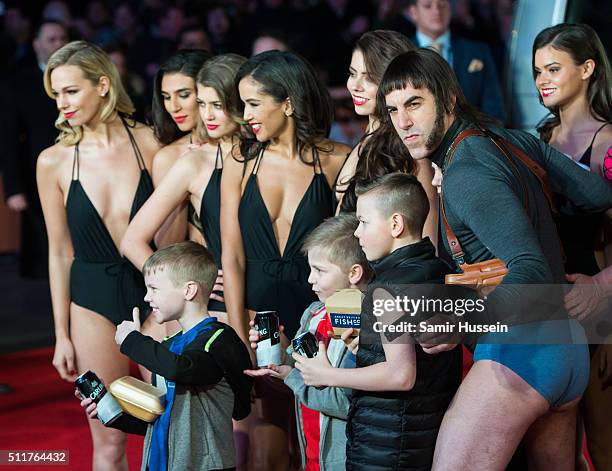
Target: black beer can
pixel 306 345
pixel 90 386
pixel 268 348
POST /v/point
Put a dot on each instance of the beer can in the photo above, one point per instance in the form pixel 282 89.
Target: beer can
pixel 306 345
pixel 90 386
pixel 269 347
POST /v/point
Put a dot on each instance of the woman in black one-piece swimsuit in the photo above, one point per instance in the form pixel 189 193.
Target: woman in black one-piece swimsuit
pixel 272 197
pixel 196 175
pixel 91 183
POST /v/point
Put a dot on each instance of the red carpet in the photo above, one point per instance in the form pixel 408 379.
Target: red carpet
pixel 43 414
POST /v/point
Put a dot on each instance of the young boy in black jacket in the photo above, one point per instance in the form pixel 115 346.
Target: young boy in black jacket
pixel 400 392
pixel 200 367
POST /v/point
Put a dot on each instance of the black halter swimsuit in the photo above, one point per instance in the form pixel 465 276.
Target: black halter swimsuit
pixel 210 220
pixel 100 278
pixel 578 231
pixel 273 281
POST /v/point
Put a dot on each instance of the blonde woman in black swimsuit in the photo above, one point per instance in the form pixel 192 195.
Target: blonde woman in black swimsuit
pixel 91 183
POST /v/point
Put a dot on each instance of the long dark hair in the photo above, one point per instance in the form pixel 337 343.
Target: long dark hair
pixel 379 154
pixel 285 75
pixel 384 152
pixel 186 62
pixel 425 68
pixel 581 42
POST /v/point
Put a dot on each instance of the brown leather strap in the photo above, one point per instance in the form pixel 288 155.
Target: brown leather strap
pixel 500 143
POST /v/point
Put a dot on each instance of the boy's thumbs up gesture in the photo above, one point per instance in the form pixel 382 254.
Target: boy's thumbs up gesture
pixel 126 327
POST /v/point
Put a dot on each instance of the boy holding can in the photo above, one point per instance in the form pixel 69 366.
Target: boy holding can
pixel 400 392
pixel 199 367
pixel 336 262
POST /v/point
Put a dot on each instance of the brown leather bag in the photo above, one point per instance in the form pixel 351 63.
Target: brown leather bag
pixel 485 276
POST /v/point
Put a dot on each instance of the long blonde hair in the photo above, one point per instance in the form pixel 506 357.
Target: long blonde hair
pixel 94 63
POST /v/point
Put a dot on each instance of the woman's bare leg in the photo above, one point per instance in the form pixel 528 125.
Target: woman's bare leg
pixel 487 419
pixel 93 337
pixel 551 440
pixel 597 407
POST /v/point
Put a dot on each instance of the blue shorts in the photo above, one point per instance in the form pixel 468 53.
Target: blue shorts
pixel 558 371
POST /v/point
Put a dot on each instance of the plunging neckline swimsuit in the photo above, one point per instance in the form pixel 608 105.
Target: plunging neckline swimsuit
pixel 273 281
pixel 210 219
pixel 101 279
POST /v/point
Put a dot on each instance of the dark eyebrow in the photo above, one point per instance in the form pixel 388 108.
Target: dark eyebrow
pixel 184 89
pixel 411 99
pixel 552 63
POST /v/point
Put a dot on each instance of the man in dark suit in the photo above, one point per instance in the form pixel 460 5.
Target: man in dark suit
pixel 27 129
pixel 471 60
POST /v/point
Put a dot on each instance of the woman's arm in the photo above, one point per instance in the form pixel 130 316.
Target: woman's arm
pixel 346 173
pixel 425 175
pixel 169 195
pixel 233 259
pixel 174 229
pixel 61 255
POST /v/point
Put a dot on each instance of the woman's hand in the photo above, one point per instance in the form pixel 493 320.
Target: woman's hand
pixel 584 297
pixel 437 179
pixel 316 371
pixel 64 359
pixel 218 288
pixel 604 370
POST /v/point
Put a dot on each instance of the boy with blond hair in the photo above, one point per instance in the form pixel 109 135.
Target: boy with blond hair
pixel 336 262
pixel 400 393
pixel 200 367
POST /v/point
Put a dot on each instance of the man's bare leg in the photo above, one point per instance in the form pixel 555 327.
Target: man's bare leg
pixel 487 419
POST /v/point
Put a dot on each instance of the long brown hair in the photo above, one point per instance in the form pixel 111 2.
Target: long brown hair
pixel 379 153
pixel 581 42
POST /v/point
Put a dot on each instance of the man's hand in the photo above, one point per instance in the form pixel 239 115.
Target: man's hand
pixel 17 202
pixel 437 342
pixel 126 327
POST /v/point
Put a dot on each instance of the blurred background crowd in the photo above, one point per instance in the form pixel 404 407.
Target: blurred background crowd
pixel 474 36
pixel 141 34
